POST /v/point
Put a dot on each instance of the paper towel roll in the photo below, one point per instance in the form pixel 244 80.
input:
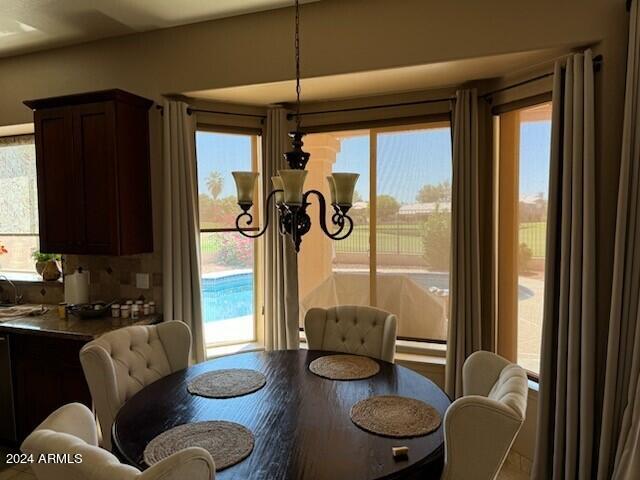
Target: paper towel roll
pixel 76 287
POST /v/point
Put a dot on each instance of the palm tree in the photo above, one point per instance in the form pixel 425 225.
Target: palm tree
pixel 214 184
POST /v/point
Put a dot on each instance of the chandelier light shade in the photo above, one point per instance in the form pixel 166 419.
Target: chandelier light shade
pixel 290 199
pixel 245 186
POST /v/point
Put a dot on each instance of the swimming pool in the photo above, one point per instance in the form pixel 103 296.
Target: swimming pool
pixel 231 296
pixel 227 297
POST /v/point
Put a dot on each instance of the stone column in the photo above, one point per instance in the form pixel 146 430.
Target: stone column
pixel 316 252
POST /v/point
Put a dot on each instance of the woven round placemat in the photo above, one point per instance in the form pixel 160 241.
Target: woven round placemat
pixel 232 382
pixel 227 442
pixel 393 416
pixel 344 367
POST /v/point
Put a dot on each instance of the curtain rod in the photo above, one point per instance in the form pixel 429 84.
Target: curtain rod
pixel 191 110
pixel 374 107
pixel 597 65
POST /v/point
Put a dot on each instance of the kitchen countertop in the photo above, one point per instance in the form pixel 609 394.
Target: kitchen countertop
pixel 50 325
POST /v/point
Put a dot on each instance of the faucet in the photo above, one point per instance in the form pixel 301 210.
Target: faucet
pixel 17 299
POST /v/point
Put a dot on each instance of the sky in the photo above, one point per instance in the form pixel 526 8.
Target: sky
pixel 406 160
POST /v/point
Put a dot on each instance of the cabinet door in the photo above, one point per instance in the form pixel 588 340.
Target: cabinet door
pixel 58 184
pixel 94 154
pixel 47 375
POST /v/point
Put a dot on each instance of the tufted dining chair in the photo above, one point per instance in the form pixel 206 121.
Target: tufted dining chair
pixel 353 329
pixel 120 363
pixel 481 426
pixel 72 430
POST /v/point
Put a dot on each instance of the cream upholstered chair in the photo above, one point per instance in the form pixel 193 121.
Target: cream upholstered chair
pixel 481 426
pixel 352 329
pixel 72 430
pixel 120 363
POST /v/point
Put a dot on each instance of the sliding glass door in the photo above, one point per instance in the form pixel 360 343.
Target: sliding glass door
pixel 522 195
pixel 398 256
pixel 228 259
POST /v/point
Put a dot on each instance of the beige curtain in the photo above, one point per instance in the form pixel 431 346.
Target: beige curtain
pixel 281 263
pixel 619 454
pixel 464 336
pixel 567 375
pixel 181 237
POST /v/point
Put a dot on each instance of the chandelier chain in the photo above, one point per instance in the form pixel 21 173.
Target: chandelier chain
pixel 297 49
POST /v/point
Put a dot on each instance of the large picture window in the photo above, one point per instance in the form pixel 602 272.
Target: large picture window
pixel 397 257
pixel 523 183
pixel 18 206
pixel 228 260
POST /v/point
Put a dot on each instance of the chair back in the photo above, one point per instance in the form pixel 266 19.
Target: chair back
pixel 120 363
pixel 352 329
pixel 68 439
pixel 481 426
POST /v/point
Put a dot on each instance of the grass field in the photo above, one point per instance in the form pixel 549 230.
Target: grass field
pixel 534 235
pixel 407 239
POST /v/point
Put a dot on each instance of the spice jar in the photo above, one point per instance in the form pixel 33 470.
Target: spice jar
pixel 146 309
pixel 125 311
pixel 62 310
pixel 135 312
pixel 152 307
pixel 115 310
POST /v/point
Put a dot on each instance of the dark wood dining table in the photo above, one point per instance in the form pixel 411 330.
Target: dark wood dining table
pixel 300 421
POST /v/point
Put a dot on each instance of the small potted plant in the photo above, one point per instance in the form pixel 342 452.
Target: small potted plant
pixel 47 261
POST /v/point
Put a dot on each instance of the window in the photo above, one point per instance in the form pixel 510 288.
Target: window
pixel 228 259
pixel 18 206
pixel 523 179
pixel 397 257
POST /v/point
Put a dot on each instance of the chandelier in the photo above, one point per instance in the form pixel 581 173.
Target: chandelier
pixel 290 198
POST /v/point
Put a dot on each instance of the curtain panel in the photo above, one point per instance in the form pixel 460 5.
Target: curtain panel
pixel 619 453
pixel 281 315
pixel 566 431
pixel 181 234
pixel 465 332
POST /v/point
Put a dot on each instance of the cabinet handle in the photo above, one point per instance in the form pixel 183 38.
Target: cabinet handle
pixel 3 339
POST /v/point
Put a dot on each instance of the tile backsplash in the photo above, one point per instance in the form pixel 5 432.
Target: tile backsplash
pixel 115 277
pixel 111 278
pixel 38 292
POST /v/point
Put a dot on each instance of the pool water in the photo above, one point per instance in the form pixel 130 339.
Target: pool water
pixel 232 296
pixel 227 297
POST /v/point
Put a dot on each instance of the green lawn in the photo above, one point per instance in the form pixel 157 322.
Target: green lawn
pixel 407 239
pixel 534 234
pixel 401 239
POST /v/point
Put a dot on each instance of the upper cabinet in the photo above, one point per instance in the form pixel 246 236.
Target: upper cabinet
pixel 94 185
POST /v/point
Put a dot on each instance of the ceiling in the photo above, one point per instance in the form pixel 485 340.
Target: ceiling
pixel 31 25
pixel 380 82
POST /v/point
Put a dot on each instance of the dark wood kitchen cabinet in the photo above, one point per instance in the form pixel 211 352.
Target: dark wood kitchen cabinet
pixel 94 185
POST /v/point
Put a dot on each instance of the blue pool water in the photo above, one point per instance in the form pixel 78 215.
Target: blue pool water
pixel 232 296
pixel 227 297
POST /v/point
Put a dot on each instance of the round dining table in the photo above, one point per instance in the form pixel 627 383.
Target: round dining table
pixel 300 421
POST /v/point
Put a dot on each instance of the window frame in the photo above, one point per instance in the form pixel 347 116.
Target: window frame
pixel 506 276
pixel 20 275
pixel 374 128
pixel 258 252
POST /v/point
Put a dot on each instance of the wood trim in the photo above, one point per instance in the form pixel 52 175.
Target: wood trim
pixel 392 123
pixel 90 97
pixel 373 218
pixel 231 129
pixel 507 233
pixel 520 104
